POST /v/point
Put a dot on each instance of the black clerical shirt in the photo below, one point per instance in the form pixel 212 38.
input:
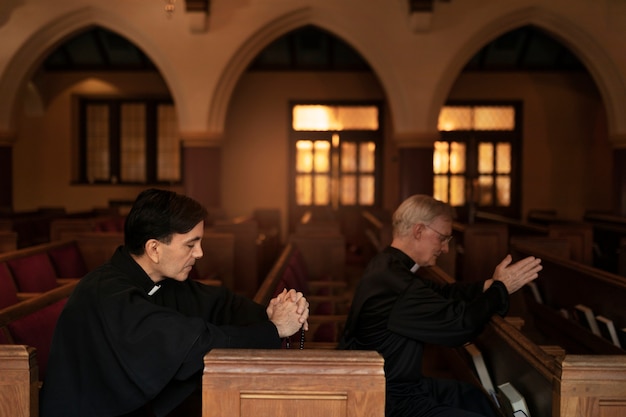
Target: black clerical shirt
pixel 120 343
pixel 396 312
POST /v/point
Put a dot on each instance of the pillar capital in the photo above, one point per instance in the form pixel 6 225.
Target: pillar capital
pixel 7 138
pixel 201 139
pixel 618 140
pixel 416 139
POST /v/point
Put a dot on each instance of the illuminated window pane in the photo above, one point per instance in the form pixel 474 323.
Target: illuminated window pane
pixel 503 158
pixel 440 158
pixel 324 118
pixel 441 188
pixel 304 190
pixel 457 158
pixel 367 162
pixel 348 157
pixel 168 146
pixel 304 156
pixel 485 158
pixel 348 190
pixel 503 190
pixel 98 156
pixel 366 190
pixel 357 117
pixel 455 118
pixel 322 156
pixel 457 190
pixel 485 190
pixel 494 118
pixel 322 190
pixel 133 143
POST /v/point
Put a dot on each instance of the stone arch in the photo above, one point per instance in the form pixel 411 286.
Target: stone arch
pixel 27 59
pixel 260 39
pixel 591 53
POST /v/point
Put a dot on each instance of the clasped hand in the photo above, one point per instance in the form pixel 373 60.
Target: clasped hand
pixel 289 312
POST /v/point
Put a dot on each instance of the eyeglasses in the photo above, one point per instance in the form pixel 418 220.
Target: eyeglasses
pixel 442 238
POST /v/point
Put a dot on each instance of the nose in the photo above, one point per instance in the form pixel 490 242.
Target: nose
pixel 197 253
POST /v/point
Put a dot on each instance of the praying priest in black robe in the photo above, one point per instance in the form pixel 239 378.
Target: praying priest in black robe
pixel 132 336
pixel 396 312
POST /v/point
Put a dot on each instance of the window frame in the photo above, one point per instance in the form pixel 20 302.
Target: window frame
pixel 115 104
pixel 472 138
pixel 356 136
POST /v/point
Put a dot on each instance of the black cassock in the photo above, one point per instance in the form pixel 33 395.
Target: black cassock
pixel 117 349
pixel 396 312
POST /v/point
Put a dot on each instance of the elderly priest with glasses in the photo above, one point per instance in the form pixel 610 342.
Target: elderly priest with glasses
pixel 396 312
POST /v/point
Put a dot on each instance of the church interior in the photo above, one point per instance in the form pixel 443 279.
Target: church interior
pixel 512 112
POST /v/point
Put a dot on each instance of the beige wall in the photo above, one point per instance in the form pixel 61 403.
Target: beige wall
pixel 45 151
pixel 565 153
pixel 565 148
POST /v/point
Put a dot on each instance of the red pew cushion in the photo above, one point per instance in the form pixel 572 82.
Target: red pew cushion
pixel 33 273
pixel 4 337
pixel 36 330
pixel 68 262
pixel 8 290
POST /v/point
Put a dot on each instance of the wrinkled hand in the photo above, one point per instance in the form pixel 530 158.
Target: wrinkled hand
pixel 515 276
pixel 289 312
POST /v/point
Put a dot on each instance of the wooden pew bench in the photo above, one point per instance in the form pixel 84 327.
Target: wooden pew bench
pixel 32 321
pixel 42 267
pixel 328 299
pixel 552 381
pixel 254 251
pixel 19 381
pixel 579 234
pixel 304 383
pixel 562 285
pixel 609 235
pixel 378 229
pixel 8 241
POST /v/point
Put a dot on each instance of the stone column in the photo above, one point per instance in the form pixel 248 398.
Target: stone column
pixel 415 159
pixel 202 168
pixel 6 174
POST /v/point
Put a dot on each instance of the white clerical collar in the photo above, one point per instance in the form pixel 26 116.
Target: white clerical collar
pixel 154 289
pixel 414 268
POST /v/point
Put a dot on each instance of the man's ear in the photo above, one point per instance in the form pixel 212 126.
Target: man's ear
pixel 153 250
pixel 417 230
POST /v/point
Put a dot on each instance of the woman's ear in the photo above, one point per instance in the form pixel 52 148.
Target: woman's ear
pixel 153 250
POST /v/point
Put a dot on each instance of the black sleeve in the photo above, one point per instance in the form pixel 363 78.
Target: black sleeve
pixel 424 314
pixel 261 335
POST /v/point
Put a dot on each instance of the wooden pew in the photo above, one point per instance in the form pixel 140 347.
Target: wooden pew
pixel 254 251
pixel 609 233
pixel 19 381
pixel 32 321
pixel 329 302
pixel 477 249
pixel 553 381
pixel 324 254
pixel 33 227
pixel 563 284
pixel 378 229
pixel 8 241
pixel 579 234
pixel 304 383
